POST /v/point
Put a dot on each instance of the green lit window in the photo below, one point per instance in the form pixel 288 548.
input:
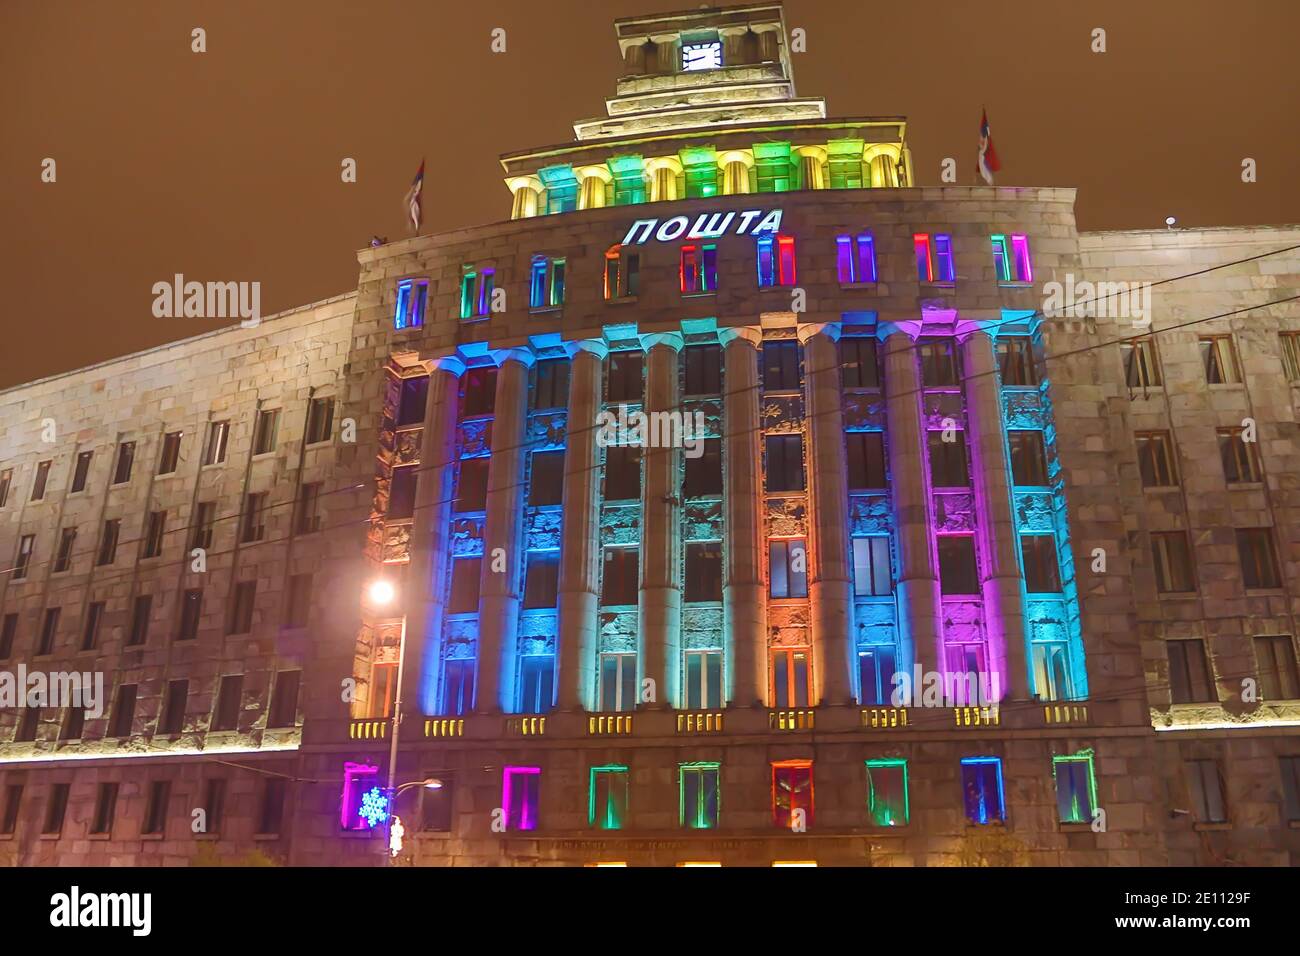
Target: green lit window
pixel 775 167
pixel 699 795
pixel 887 804
pixel 546 283
pixel 1076 787
pixel 607 808
pixel 701 180
pixel 629 180
pixel 476 292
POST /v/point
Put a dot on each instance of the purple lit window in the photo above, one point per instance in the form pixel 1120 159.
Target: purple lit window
pixel 855 258
pixel 519 790
pixel 358 779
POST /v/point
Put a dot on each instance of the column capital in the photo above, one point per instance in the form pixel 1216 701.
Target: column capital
pixel 808 330
pixel 969 328
pixel 909 327
pixel 673 340
pixel 525 357
pixel 750 333
pixel 596 347
pixel 447 363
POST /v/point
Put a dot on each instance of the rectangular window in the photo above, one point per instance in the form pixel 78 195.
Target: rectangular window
pixel 792 793
pixel 49 631
pixel 855 259
pixel 13 803
pixel 546 484
pixel 140 610
pixel 622 273
pixel 703 370
pixel 155 528
pixel 214 449
pixel 436 802
pixel 1011 259
pixel 1240 458
pixel 536 684
pixel 307 518
pixel 284 700
pixel 1028 459
pixel 478 392
pixel 520 788
pixel 859 362
pixel 1219 358
pixel 412 400
pixel 703 679
pixel 698 269
pixel 948 465
pixel 241 608
pixel 67 538
pixel 1290 345
pixel 412 300
pixel 552 388
pixel 476 292
pixel 101 822
pixel 934 259
pixel 619 582
pixel 56 809
pixel 776 261
pixel 780 365
pixel 887 799
pixel 783 468
pixel 866 460
pixel 230 699
pixel 1205 786
pixel 458 687
pixel 28 725
pixel 1173 562
pixel 90 636
pixel 465 576
pixel 876 669
pixel 1290 791
pixel 698 785
pixel 1015 357
pixel 1141 364
pixel 191 609
pixel 171 453
pixel 270 811
pixel 607 805
pixel 297 607
pixel 123 722
pixel 266 430
pixel 1051 664
pixel 1038 556
pixel 617 682
pixel 703 478
pixel 703 571
pixel 1076 788
pixel 254 526
pixel 205 516
pixel 981 784
pixel 788 568
pixel 1278 678
pixel 789 677
pixel 541 579
pixel 26 544
pixel 8 628
pixel 1259 566
pixel 82 472
pixel 623 378
pixel 622 473
pixel 125 460
pixel 42 479
pixel 546 283
pixel 214 802
pixel 872 576
pixel 175 701
pixel 957 569
pixel 6 479
pixel 401 493
pixel 383 689
pixel 939 363
pixel 1156 459
pixel 471 485
pixel 320 420
pixel 1189 673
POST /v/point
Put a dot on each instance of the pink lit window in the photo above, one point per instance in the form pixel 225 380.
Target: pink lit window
pixel 519 791
pixel 358 779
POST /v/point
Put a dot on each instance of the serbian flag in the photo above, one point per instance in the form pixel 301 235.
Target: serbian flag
pixel 988 156
pixel 412 201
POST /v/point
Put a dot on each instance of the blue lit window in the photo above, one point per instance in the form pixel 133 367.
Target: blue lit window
pixel 876 670
pixel 934 261
pixel 546 283
pixel 981 785
pixel 412 297
pixel 476 292
pixel 536 684
pixel 775 261
pixel 458 687
pixel 855 259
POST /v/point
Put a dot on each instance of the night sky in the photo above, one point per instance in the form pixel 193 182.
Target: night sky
pixel 225 165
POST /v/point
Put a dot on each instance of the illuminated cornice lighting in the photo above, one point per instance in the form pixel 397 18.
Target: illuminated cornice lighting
pixel 63 756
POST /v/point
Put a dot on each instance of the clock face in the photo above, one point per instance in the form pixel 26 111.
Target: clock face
pixel 702 56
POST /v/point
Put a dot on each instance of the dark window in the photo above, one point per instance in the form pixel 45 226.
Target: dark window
pixel 123 721
pixel 1039 556
pixel 28 724
pixel 939 367
pixel 623 380
pixel 401 496
pixel 105 808
pixel 414 398
pixel 1278 678
pixel 1028 459
pixel 1156 461
pixel 82 471
pixel 49 631
pixel 265 431
pixel 471 486
pixel 308 517
pixel 780 361
pixel 948 468
pixel 13 802
pixel 703 369
pixel 254 517
pixel 229 702
pixel 67 538
pixel 1205 785
pixel 205 516
pixel 1016 360
pixel 1173 562
pixel 622 473
pixel 866 459
pixel 1141 365
pixel 191 609
pixel 298 606
pixel 465 574
pixel 42 479
pixel 788 568
pixel 1240 458
pixel 784 466
pixel 541 579
pixel 26 544
pixel 704 571
pixel 1189 673
pixel 171 453
pixel 480 392
pixel 6 479
pixel 125 459
pixel 8 628
pixel 859 365
pixel 546 486
pixel 90 636
pixel 1220 360
pixel 155 528
pixel 174 703
pixel 214 804
pixel 1259 567
pixel 1290 790
pixel 704 471
pixel 619 582
pixel 108 542
pixel 284 700
pixel 957 572
pixel 552 389
pixel 140 610
pixel 241 607
pixel 270 812
pixel 214 449
pixel 155 814
pixel 320 420
pixel 56 809
pixel 435 805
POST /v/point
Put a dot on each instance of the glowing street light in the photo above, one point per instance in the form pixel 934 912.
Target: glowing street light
pixel 381 592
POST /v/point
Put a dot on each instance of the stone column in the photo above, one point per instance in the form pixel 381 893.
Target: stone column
pixel 830 589
pixel 997 540
pixel 920 624
pixel 744 604
pixel 499 591
pixel 430 546
pixel 580 533
pixel 660 600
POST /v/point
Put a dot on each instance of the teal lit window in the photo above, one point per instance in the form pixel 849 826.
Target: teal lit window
pixel 412 298
pixel 536 684
pixel 887 804
pixel 629 180
pixel 546 283
pixel 607 806
pixel 982 793
pixel 1011 259
pixel 1076 787
pixel 703 679
pixel 1051 666
pixel 698 788
pixel 617 682
pixel 476 292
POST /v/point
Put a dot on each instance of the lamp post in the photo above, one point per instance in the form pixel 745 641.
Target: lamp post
pixel 381 594
pixel 430 783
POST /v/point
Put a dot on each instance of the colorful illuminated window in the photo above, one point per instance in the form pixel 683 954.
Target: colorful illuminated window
pixel 412 298
pixel 776 261
pixel 617 682
pixel 981 785
pixel 775 167
pixel 783 464
pixel 1016 361
pixel 855 259
pixel 622 273
pixel 1050 661
pixel 458 687
pixel 607 803
pixel 788 568
pixel 561 184
pixel 1172 558
pixel 536 683
pixel 703 679
pixel 1042 570
pixel 701 176
pixel 546 283
pixel 859 363
pixel 629 180
pixel 698 789
pixel 520 789
pixel 792 794
pixel 876 669
pixel 872 576
pixel 790 677
pixel 969 683
pixel 1011 259
pixel 1141 364
pixel 1219 357
pixel 476 292
pixel 1076 787
pixel 699 269
pixel 358 780
pixel 1028 459
pixel 1189 672
pixel 934 260
pixel 887 801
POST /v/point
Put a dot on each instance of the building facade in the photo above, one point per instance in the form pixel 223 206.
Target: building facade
pixel 741 503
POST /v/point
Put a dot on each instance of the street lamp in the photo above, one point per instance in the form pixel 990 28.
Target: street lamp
pixel 395 828
pixel 382 593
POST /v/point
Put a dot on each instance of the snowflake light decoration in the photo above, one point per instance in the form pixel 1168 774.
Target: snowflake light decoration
pixel 374 807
